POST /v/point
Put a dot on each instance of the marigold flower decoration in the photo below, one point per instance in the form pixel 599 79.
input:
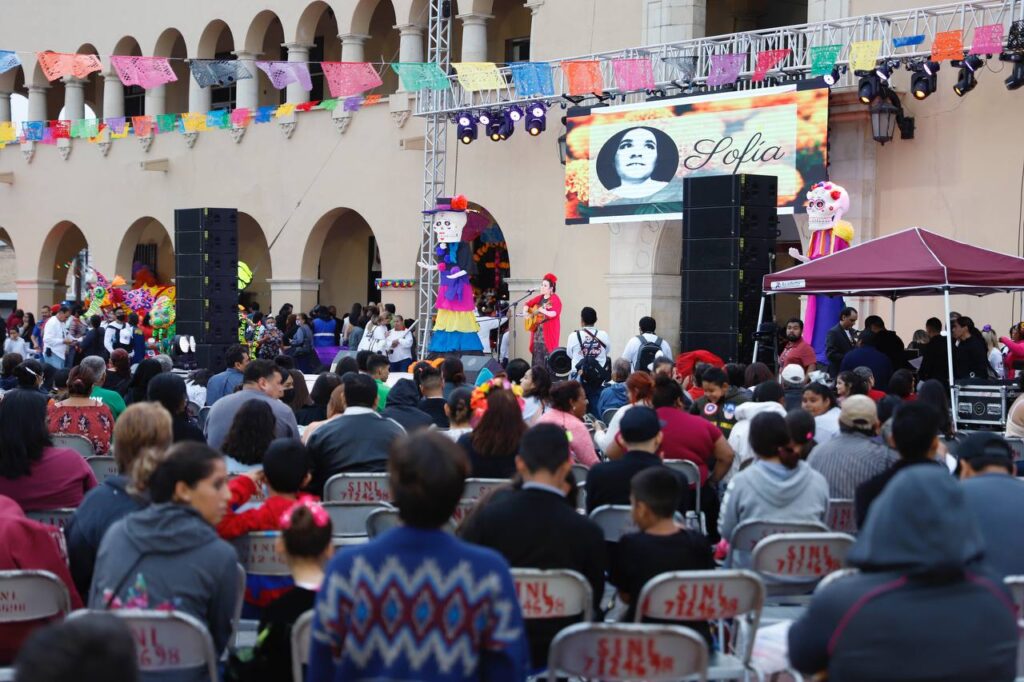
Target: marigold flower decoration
pixel 478 401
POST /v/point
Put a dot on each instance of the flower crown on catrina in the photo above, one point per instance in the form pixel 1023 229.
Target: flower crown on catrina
pixel 478 401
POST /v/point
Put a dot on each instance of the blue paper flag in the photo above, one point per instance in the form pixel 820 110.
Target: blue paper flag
pixel 907 41
pixel 221 72
pixel 264 114
pixel 34 130
pixel 8 60
pixel 532 79
pixel 218 118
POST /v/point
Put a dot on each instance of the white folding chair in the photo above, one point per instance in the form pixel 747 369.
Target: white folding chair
pixel 710 596
pixel 357 487
pixel 58 518
pixel 841 516
pixel 31 596
pixel 167 641
pixel 620 652
pixel 301 635
pixel 381 521
pixel 747 534
pixel 348 519
pixel 557 593
pixel 257 553
pixel 614 520
pixel 103 467
pixel 692 473
pixel 476 487
pixel 791 564
pixel 79 444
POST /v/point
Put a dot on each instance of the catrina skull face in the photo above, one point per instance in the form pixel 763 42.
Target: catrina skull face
pixel 826 204
pixel 448 225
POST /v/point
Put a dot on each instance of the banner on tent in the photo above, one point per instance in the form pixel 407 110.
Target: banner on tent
pixel 628 163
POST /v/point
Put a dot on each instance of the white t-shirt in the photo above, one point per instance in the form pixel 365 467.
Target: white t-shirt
pixel 596 344
pixel 403 351
pixel 632 348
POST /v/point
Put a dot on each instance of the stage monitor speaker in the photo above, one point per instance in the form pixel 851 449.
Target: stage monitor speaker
pixel 731 190
pixel 728 254
pixel 723 285
pixel 473 364
pixel 761 222
pixel 340 356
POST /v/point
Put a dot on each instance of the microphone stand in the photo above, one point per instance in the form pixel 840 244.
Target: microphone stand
pixel 512 324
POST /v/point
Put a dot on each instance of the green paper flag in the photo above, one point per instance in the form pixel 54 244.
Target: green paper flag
pixel 421 76
pixel 823 58
pixel 165 122
pixel 329 104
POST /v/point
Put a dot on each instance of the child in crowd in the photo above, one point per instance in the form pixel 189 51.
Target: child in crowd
pixel 379 368
pixel 661 545
pixel 718 404
pixel 286 470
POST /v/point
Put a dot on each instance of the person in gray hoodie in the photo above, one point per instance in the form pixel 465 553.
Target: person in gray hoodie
pixel 924 605
pixel 778 486
pixel 168 555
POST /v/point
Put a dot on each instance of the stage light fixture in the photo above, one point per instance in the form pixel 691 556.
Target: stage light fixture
pixel 486 117
pixel 870 86
pixel 923 80
pixel 1016 79
pixel 514 113
pixel 467 128
pixel 832 78
pixel 507 126
pixel 494 129
pixel 884 71
pixel 536 118
pixel 966 80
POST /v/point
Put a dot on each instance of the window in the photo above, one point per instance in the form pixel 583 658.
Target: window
pixel 134 101
pixel 316 72
pixel 517 49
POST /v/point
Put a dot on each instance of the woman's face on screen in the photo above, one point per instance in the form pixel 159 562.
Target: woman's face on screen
pixel 636 156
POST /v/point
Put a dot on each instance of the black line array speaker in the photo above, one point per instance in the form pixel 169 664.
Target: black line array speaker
pixel 206 281
pixel 730 225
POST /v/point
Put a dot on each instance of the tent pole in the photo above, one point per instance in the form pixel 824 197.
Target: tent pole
pixel 949 358
pixel 760 316
pixel 892 316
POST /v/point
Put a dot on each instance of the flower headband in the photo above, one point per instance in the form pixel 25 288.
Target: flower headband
pixel 320 516
pixel 478 401
pixel 987 328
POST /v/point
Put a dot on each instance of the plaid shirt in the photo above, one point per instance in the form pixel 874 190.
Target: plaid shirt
pixel 848 460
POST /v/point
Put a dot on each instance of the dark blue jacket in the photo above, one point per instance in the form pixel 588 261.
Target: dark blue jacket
pixel 612 396
pixel 873 359
pixel 923 607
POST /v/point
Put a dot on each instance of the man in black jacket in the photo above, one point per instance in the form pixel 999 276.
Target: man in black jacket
pixel 537 527
pixel 970 357
pixel 934 360
pixel 887 341
pixel 839 340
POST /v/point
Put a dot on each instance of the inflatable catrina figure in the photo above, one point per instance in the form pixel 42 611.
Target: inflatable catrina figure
pixel 456 329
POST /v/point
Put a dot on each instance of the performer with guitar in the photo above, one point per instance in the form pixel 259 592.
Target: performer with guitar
pixel 543 320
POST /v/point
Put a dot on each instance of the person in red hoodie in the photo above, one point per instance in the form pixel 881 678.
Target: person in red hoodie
pixel 27 545
pixel 286 470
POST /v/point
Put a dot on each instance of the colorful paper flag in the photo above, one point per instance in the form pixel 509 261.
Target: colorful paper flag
pixel 85 128
pixel 33 130
pixel 117 125
pixel 988 39
pixel 419 76
pixel 768 60
pixel 908 41
pixel 241 118
pixel 8 60
pixel 583 77
pixel 823 59
pixel 59 64
pixel 145 72
pixel 633 73
pixel 208 72
pixel 61 129
pixel 193 122
pixel 165 123
pixel 477 76
pixel 864 54
pixel 142 125
pixel 264 114
pixel 948 45
pixel 281 74
pixel 329 104
pixel 345 79
pixel 725 69
pixel 532 79
pixel 685 66
pixel 286 109
pixel 48 137
pixel 8 133
pixel 218 118
pixel 353 103
pixel 125 130
pixel 370 100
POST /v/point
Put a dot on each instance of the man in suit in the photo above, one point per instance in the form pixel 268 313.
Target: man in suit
pixel 839 340
pixel 537 527
pixel 934 360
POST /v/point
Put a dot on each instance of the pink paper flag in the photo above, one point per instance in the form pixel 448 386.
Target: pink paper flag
pixel 633 73
pixel 145 72
pixel 768 60
pixel 59 64
pixel 583 77
pixel 988 39
pixel 347 79
pixel 241 118
pixel 283 73
pixel 725 68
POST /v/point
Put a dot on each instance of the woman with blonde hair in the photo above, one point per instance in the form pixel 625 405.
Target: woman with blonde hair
pixel 141 438
pixel 994 353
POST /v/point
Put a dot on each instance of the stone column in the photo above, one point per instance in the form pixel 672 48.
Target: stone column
pixel 297 52
pixel 827 10
pixel 301 293
pixel 113 95
pixel 410 42
pixel 74 98
pixel 352 45
pixel 247 93
pixel 5 106
pixel 534 7
pixel 156 101
pixel 35 293
pixel 37 102
pixel 474 37
pixel 199 99
pixel 667 21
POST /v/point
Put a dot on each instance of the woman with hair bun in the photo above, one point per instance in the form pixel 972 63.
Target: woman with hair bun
pixel 82 415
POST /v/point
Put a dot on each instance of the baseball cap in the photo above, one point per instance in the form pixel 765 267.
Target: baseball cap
pixel 990 447
pixel 793 374
pixel 858 411
pixel 639 424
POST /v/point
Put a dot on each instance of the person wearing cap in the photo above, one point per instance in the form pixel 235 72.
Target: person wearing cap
pixel 915 432
pixel 853 456
pixel 868 355
pixel 922 606
pixel 797 351
pixel 995 497
pixel 547 312
pixel 793 379
pixel 640 436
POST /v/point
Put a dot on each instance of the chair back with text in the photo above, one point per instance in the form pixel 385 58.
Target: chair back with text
pixel 301 635
pixel 620 652
pixel 32 595
pixel 1015 583
pixel 580 472
pixel 257 553
pixel 557 593
pixel 102 467
pixel 476 487
pixel 79 444
pixel 348 519
pixel 462 510
pixel 692 473
pixel 793 563
pixel 747 534
pixel 357 487
pixel 841 516
pixel 58 518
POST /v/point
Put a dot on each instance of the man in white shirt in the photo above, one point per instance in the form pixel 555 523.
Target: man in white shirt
pixel 399 346
pixel 588 341
pixel 112 334
pixel 55 347
pixel 646 336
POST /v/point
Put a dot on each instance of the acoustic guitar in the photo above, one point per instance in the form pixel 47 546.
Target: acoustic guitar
pixel 534 318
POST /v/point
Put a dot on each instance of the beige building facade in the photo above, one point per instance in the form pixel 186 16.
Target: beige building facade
pixel 319 191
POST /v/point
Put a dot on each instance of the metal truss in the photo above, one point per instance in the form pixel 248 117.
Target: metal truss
pixel 685 65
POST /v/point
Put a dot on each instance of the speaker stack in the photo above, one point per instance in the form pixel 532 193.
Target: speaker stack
pixel 730 225
pixel 206 281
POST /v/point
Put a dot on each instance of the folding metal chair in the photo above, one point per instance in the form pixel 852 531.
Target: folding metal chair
pixel 608 415
pixel 58 518
pixel 621 652
pixel 792 564
pixel 461 511
pixel 476 487
pixel 614 520
pixel 580 472
pixel 557 593
pixel 747 534
pixel 31 596
pixel 357 487
pixel 710 596
pixel 167 641
pixel 301 636
pixel 79 444
pixel 348 519
pixel 381 521
pixel 103 467
pixel 841 516
pixel 257 553
pixel 692 473
pixel 834 576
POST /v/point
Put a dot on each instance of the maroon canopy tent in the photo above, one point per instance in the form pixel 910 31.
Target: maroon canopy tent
pixel 914 262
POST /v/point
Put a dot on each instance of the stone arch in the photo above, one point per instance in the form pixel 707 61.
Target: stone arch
pixel 412 11
pixel 216 38
pixel 310 18
pixel 171 43
pixel 147 231
pixel 362 14
pixel 338 253
pixel 63 258
pixel 383 42
pixel 254 252
pixel 257 32
pixel 128 46
pixel 265 38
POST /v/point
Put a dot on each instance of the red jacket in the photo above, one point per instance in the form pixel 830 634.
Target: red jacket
pixel 28 545
pixel 267 516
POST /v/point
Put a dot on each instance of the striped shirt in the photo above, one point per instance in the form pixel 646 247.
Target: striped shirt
pixel 848 460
